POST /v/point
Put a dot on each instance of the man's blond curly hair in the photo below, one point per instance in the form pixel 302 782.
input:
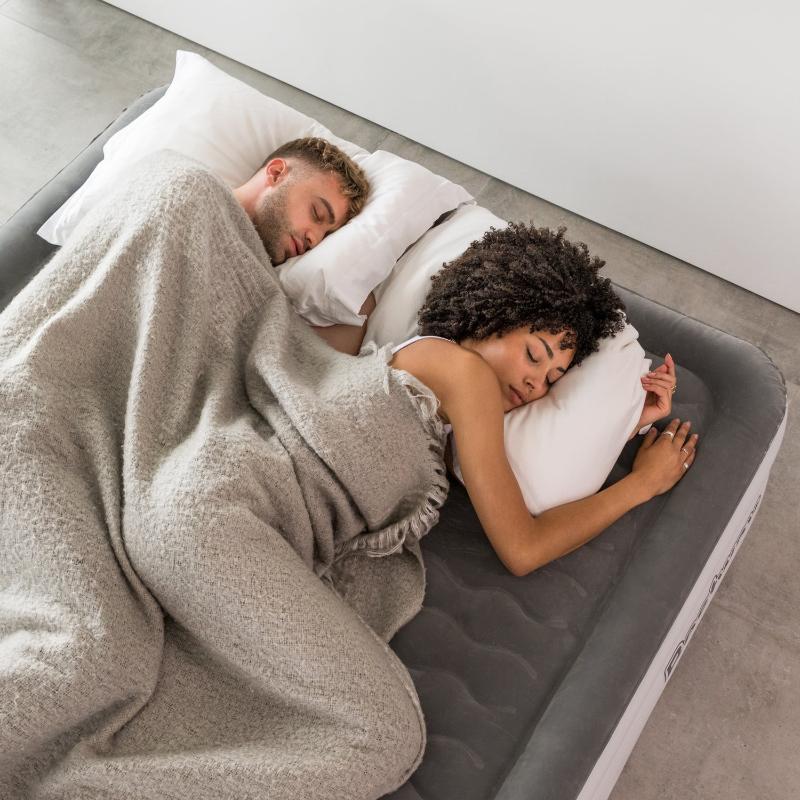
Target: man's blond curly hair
pixel 327 157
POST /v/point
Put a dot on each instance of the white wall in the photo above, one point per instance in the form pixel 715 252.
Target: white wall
pixel 676 124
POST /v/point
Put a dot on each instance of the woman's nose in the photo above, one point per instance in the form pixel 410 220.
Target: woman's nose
pixel 530 387
pixel 536 389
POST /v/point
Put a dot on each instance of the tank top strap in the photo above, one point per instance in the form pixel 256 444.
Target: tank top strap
pixel 415 339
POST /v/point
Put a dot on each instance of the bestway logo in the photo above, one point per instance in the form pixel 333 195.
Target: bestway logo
pixel 715 581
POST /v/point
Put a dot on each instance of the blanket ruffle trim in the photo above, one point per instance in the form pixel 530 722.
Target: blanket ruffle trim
pixel 417 523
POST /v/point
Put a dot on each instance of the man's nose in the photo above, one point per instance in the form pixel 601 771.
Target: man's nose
pixel 314 235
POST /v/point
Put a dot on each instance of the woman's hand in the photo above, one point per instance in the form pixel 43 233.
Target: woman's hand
pixel 664 458
pixel 660 385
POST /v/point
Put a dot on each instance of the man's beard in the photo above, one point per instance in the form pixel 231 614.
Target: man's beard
pixel 270 222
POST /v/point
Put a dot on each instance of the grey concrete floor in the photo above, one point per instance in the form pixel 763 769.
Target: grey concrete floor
pixel 728 723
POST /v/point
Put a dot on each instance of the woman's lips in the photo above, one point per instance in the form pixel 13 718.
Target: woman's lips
pixel 516 398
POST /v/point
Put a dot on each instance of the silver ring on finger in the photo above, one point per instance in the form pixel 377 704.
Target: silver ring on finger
pixel 685 450
pixel 686 465
pixel 668 433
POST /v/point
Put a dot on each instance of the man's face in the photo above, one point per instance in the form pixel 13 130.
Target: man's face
pixel 297 208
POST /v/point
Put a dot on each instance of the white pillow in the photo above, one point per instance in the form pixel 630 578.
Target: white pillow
pixel 563 446
pixel 401 295
pixel 230 128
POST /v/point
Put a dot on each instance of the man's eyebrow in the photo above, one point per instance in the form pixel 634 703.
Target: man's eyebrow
pixel 550 353
pixel 331 218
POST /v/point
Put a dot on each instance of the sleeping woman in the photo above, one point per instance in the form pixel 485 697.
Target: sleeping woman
pixel 501 324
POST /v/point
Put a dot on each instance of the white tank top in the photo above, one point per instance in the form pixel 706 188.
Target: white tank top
pixel 447 426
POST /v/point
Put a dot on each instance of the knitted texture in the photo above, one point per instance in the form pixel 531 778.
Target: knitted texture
pixel 209 521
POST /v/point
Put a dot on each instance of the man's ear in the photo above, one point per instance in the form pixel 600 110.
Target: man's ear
pixel 275 171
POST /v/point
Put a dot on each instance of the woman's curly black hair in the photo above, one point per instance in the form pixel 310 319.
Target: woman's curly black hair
pixel 522 275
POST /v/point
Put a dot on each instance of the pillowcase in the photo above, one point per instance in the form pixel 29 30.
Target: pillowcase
pixel 400 297
pixel 205 114
pixel 230 128
pixel 563 446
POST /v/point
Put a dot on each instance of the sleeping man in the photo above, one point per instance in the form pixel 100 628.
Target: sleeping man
pixel 303 191
pixel 189 479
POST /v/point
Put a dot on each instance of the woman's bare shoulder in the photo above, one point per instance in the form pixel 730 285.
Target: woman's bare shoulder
pixel 444 366
pixel 437 357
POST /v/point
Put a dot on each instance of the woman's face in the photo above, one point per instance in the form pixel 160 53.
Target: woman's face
pixel 526 362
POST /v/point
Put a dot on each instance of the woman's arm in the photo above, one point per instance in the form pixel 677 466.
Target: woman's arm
pixel 470 396
pixel 562 529
pixel 347 338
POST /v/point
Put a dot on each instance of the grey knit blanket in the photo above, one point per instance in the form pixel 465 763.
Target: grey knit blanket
pixel 209 521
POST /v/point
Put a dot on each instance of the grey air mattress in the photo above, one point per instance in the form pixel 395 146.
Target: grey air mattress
pixel 538 687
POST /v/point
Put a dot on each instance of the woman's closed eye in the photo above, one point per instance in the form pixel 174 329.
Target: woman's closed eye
pixel 536 361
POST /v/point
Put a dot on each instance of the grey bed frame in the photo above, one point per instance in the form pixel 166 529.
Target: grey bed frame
pixel 538 687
